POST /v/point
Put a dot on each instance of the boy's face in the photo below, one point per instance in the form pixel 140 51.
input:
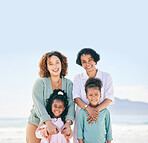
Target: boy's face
pixel 57 108
pixel 93 95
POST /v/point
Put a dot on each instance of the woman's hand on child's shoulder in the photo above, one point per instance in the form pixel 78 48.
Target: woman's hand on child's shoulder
pixel 93 115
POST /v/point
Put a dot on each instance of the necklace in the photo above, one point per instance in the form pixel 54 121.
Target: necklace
pixel 56 84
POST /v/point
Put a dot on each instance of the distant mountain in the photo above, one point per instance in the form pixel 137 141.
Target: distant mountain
pixel 127 107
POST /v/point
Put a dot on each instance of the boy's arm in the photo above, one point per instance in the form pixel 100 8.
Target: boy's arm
pixel 80 140
pixel 108 127
pixel 80 126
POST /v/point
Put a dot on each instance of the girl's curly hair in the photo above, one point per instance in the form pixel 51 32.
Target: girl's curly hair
pixel 43 72
pixel 57 94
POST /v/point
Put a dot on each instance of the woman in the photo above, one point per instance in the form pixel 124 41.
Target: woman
pixel 53 68
pixel 88 58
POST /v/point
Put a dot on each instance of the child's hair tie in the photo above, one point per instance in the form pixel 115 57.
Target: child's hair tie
pixel 60 93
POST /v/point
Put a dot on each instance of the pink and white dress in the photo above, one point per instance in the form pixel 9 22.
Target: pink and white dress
pixel 56 138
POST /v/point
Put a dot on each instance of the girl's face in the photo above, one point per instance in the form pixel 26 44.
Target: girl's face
pixel 54 65
pixel 93 95
pixel 57 108
pixel 88 62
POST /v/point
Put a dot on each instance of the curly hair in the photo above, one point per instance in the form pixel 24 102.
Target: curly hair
pixel 57 94
pixel 43 72
pixel 93 82
pixel 87 51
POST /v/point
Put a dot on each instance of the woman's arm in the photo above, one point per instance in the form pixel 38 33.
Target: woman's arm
pixel 100 107
pixel 38 100
pixel 91 111
pixel 51 128
pixel 104 104
pixel 39 106
pixel 71 104
pixel 108 95
pixel 80 102
pixel 66 129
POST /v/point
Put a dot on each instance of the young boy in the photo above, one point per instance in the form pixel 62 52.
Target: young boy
pixel 100 131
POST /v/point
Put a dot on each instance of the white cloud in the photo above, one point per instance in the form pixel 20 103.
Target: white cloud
pixel 134 93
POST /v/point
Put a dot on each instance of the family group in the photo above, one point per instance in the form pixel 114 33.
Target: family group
pixel 59 102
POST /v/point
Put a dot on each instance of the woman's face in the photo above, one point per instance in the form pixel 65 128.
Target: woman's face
pixel 54 66
pixel 88 62
pixel 57 108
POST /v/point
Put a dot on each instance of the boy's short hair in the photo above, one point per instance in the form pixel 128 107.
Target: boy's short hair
pixel 93 82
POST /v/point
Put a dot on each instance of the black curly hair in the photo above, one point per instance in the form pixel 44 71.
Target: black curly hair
pixel 57 94
pixel 93 82
pixel 87 51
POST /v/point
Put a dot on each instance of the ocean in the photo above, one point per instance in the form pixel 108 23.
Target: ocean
pixel 126 129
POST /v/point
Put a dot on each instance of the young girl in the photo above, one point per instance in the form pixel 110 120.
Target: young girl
pixel 57 108
pixel 100 131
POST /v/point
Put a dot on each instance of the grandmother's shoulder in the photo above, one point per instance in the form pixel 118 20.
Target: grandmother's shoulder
pixel 105 74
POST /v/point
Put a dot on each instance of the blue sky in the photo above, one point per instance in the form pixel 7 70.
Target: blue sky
pixel 117 30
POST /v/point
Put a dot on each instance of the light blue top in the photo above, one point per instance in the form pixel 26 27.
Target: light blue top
pixel 42 90
pixel 95 133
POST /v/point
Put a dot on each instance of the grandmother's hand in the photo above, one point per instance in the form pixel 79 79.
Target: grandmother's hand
pixel 93 115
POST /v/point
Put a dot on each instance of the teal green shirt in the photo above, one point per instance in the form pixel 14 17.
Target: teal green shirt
pixel 95 133
pixel 42 90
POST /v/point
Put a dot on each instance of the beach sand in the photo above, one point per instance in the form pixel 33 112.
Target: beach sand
pixel 130 133
pixel 121 134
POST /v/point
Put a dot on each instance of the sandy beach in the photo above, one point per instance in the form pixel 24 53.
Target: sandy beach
pixel 130 133
pixel 121 134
